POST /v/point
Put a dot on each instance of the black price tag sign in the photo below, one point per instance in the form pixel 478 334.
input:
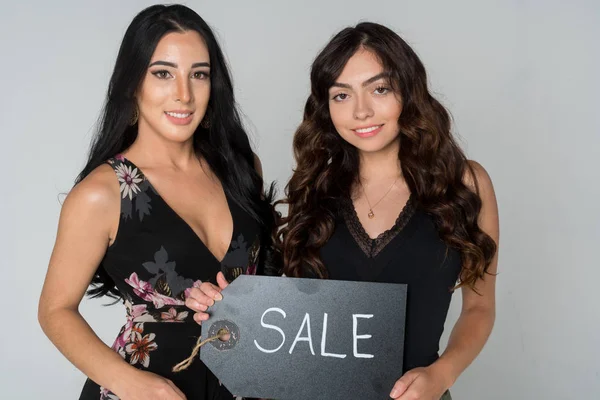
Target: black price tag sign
pixel 294 338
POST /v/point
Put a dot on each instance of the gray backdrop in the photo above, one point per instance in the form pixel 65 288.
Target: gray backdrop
pixel 519 76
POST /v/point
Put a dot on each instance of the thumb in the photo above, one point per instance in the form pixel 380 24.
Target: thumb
pixel 221 281
pixel 402 384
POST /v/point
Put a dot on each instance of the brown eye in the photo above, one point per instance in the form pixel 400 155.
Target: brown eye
pixel 382 90
pixel 200 75
pixel 340 97
pixel 162 74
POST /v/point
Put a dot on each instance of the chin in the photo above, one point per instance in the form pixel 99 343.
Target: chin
pixel 372 146
pixel 179 134
pixel 370 149
pixel 178 137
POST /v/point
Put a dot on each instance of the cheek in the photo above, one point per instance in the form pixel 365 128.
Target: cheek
pixel 339 117
pixel 202 93
pixel 391 110
pixel 152 96
pixel 342 127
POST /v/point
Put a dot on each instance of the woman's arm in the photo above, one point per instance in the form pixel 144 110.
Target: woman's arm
pixel 478 313
pixel 84 231
pixel 477 316
pixel 87 225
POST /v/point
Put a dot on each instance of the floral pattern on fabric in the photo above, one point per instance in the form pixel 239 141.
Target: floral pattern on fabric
pixel 146 292
pixel 155 263
pixel 129 180
pixel 133 186
pixel 253 255
pixel 140 346
pixel 130 344
pixel 173 316
pixel 240 259
pixel 166 281
pixel 137 312
pixel 106 394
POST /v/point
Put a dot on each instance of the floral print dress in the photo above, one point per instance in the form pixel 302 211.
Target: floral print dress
pixel 155 260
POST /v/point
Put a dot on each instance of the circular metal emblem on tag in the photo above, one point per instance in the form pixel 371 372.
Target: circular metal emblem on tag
pixel 234 334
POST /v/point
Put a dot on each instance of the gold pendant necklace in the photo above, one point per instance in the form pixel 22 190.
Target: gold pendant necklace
pixel 371 214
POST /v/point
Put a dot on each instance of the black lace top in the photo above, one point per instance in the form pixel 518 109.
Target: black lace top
pixel 411 252
pixel 372 247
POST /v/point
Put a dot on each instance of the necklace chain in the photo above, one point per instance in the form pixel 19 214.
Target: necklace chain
pixel 371 214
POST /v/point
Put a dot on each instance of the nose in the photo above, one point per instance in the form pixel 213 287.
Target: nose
pixel 363 108
pixel 184 92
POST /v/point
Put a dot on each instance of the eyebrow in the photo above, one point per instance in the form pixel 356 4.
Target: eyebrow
pixel 170 64
pixel 365 83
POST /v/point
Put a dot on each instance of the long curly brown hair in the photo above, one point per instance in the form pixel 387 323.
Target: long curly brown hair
pixel 432 163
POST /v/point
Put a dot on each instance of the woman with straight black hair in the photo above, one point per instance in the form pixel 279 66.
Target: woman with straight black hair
pixel 171 194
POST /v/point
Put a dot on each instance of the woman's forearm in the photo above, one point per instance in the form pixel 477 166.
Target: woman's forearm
pixel 76 340
pixel 468 337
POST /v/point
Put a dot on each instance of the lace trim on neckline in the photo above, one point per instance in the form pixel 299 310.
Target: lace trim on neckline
pixel 372 247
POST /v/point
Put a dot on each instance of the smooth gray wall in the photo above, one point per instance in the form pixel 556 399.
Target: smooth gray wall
pixel 520 78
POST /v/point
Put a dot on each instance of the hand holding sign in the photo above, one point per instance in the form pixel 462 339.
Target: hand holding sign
pixel 419 383
pixel 199 299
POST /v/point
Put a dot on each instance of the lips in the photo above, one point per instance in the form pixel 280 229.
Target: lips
pixel 180 117
pixel 367 131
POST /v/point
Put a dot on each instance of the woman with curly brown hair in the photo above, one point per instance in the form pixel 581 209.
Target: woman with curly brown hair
pixel 383 193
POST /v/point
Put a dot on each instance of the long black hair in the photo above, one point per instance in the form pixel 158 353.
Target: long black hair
pixel 224 144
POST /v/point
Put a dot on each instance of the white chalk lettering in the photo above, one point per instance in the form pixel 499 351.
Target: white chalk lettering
pixel 355 336
pixel 269 326
pixel 324 340
pixel 308 338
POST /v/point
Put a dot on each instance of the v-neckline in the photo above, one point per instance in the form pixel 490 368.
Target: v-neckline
pixel 372 247
pixel 184 222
